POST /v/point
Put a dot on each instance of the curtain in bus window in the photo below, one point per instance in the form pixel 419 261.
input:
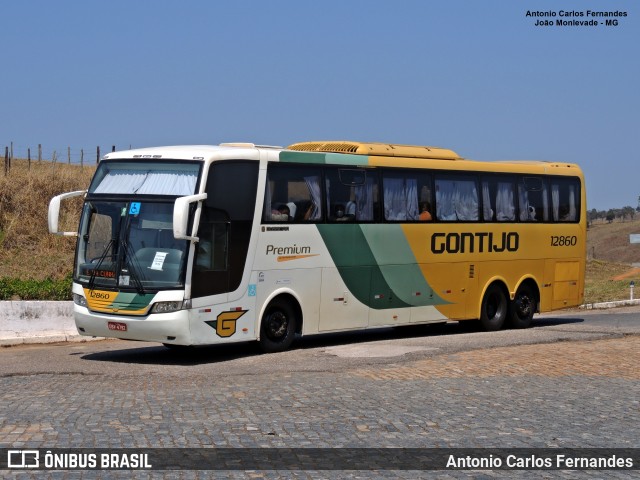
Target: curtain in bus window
pixel 466 200
pixel 572 203
pixel 401 198
pixel 456 200
pixel 445 205
pixel 364 201
pixel 411 192
pixel 545 202
pixel 148 183
pixel 505 208
pixel 313 184
pixel 524 203
pixel 487 211
pixel 555 201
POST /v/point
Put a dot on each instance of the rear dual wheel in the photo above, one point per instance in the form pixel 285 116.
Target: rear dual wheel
pixel 497 310
pixel 494 308
pixel 522 307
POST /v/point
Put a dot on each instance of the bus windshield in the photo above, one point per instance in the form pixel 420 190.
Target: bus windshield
pixel 129 245
pixel 130 177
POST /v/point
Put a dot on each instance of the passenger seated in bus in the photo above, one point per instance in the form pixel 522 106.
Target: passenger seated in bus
pixel 309 211
pixel 341 216
pixel 425 212
pixel 281 214
pixel 350 209
pixel 292 210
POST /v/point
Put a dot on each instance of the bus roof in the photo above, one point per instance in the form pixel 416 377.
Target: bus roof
pixel 376 149
pixel 185 152
pixel 340 152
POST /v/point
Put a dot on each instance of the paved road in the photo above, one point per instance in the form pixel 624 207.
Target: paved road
pixel 570 381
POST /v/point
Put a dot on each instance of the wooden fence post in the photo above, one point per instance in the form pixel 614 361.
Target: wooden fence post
pixel 97 154
pixel 39 152
pixel 29 158
pixel 69 155
pixel 81 158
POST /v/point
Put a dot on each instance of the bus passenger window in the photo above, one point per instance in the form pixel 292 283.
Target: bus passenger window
pixel 293 194
pixel 565 200
pixel 351 195
pixel 456 198
pixel 407 196
pixel 533 200
pixel 498 200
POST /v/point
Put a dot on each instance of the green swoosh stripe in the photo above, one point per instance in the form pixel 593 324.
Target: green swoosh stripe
pixel 323 158
pixel 377 265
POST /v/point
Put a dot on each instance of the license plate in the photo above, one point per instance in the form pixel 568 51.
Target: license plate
pixel 119 326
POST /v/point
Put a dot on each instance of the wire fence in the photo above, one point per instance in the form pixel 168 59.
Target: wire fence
pixel 38 153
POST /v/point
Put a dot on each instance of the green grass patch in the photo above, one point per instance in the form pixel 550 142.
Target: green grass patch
pixel 47 289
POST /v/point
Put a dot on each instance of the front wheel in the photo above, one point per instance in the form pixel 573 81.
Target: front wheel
pixel 522 307
pixel 494 309
pixel 278 327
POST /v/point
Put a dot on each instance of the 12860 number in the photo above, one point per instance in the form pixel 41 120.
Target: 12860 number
pixel 564 240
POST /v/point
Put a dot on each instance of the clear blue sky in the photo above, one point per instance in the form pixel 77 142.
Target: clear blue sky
pixel 474 76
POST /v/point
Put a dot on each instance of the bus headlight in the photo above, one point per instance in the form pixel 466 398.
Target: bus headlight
pixel 79 300
pixel 166 307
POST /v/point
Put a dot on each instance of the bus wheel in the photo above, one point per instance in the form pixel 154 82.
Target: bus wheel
pixel 278 327
pixel 494 308
pixel 522 307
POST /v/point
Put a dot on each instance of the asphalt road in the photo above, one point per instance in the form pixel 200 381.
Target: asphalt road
pixel 321 353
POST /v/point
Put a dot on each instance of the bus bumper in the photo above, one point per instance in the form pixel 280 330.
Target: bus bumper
pixel 170 328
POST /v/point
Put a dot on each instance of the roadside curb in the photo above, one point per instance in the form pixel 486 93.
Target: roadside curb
pixel 42 339
pixel 606 305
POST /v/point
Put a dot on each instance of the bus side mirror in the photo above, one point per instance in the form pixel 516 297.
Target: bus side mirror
pixel 54 212
pixel 181 216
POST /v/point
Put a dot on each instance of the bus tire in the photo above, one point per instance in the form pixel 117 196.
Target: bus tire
pixel 494 308
pixel 522 308
pixel 278 327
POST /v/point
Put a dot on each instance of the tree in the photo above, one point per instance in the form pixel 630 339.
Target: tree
pixel 611 215
pixel 628 212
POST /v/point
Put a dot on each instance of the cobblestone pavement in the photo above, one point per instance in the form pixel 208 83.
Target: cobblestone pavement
pixel 574 394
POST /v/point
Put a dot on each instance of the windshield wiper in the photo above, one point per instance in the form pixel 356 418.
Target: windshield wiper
pixel 134 267
pixel 94 272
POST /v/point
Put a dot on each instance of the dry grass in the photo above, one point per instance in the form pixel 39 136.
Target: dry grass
pixel 607 281
pixel 610 241
pixel 29 252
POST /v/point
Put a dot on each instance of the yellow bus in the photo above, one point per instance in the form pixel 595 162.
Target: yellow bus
pixel 213 244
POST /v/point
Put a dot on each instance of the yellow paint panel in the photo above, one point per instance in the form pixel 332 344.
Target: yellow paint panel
pixel 567 271
pixel 100 300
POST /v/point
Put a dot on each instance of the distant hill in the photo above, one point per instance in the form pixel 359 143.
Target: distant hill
pixel 610 241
